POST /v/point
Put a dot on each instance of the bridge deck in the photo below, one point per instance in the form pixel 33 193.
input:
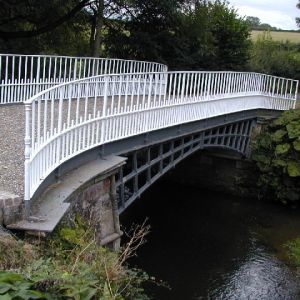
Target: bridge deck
pixel 12 133
pixel 12 120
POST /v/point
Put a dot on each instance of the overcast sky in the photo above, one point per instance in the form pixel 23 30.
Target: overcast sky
pixel 278 13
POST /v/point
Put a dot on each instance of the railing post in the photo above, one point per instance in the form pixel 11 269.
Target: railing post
pixel 27 160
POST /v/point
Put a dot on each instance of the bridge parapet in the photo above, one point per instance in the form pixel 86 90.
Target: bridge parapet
pixel 23 76
pixel 77 104
pixel 76 116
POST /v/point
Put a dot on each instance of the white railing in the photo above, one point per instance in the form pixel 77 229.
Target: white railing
pixel 23 76
pixel 76 116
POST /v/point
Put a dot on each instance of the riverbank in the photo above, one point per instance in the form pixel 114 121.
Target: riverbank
pixel 69 264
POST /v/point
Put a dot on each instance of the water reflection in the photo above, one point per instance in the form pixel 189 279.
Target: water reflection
pixel 261 276
pixel 207 245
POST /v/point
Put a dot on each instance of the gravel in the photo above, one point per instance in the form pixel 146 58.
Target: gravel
pixel 12 132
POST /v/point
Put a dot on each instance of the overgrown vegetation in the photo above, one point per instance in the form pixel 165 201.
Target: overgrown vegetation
pixel 70 265
pixel 277 154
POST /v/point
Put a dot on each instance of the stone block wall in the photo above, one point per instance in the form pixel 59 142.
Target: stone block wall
pixel 11 208
pixel 96 203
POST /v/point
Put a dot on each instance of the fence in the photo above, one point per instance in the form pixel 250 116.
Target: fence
pixel 23 76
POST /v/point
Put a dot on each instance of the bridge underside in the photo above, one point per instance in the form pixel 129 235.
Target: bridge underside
pixel 145 166
pixel 151 155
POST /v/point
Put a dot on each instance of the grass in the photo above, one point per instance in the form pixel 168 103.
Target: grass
pixel 69 264
pixel 293 37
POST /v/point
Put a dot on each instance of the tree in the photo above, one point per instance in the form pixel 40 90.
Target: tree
pixel 28 27
pixel 253 22
pixel 231 37
pixel 97 22
pixel 31 19
pixel 25 19
pixel 184 34
pixel 192 34
pixel 145 31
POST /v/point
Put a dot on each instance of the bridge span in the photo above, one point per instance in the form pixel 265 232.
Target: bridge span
pixel 65 112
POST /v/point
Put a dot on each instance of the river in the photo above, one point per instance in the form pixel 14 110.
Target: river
pixel 208 245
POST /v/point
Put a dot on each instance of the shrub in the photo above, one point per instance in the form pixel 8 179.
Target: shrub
pixel 70 265
pixel 276 152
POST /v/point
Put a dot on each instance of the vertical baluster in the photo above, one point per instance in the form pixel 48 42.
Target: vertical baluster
pixel 170 82
pixel 209 85
pixel 132 93
pixel 120 92
pixel 182 88
pixel 203 78
pixel 175 88
pixel 138 92
pixel 6 80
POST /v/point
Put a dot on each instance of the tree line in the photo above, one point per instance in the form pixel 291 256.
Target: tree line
pixel 255 24
pixel 184 34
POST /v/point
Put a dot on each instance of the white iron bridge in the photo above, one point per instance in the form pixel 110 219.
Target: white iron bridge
pixel 63 107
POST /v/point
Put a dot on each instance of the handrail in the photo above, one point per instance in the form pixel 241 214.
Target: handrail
pixel 73 104
pixel 72 117
pixel 23 76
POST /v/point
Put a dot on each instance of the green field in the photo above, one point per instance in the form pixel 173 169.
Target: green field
pixel 291 36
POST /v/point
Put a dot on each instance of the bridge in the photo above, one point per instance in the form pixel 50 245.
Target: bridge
pixel 88 116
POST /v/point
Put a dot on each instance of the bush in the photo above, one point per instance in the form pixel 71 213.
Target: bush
pixel 70 265
pixel 276 152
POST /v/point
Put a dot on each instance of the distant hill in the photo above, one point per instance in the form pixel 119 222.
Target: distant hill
pixel 292 36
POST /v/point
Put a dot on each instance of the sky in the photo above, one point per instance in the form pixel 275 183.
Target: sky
pixel 278 13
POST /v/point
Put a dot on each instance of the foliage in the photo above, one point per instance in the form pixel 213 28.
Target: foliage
pixel 231 36
pixel 19 17
pixel 16 286
pixel 208 35
pixel 293 250
pixel 183 34
pixel 276 152
pixel 71 265
pixel 255 24
pixel 275 58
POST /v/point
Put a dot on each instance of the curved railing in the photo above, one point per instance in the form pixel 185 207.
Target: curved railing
pixel 76 116
pixel 23 76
